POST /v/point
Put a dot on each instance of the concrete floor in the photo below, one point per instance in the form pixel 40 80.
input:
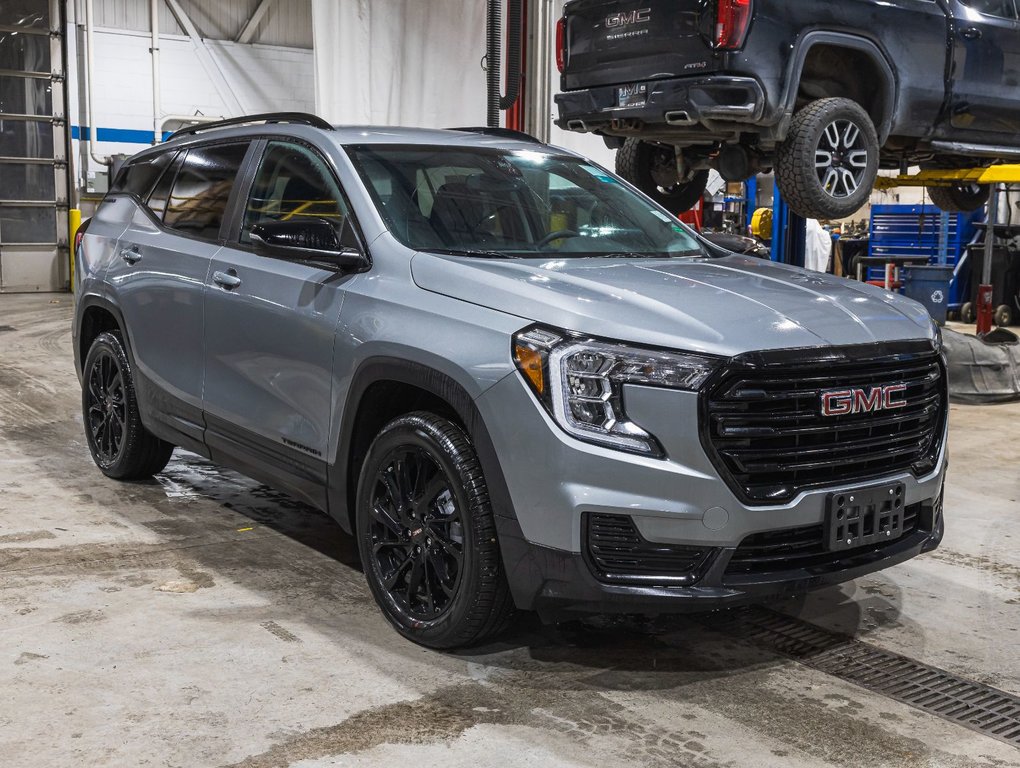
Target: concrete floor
pixel 203 620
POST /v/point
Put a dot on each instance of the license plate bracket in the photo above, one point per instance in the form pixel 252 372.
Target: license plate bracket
pixel 864 516
pixel 632 95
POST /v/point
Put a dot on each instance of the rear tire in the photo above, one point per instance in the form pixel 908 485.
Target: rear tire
pixel 120 444
pixel 960 199
pixel 827 166
pixel 427 536
pixel 652 169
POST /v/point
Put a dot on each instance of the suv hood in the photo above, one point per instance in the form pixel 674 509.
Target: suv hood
pixel 720 306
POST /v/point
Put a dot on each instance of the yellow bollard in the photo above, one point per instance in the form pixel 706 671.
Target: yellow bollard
pixel 73 222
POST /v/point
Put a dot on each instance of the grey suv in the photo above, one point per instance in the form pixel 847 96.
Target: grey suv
pixel 515 379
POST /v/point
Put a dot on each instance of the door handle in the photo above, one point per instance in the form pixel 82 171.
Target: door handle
pixel 971 33
pixel 226 280
pixel 131 255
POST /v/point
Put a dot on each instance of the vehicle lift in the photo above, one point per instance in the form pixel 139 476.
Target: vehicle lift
pixel 998 177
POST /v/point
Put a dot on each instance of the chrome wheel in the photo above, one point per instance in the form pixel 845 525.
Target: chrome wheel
pixel 841 158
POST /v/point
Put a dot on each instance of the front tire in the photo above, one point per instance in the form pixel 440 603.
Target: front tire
pixel 827 166
pixel 652 169
pixel 427 536
pixel 120 444
pixel 960 198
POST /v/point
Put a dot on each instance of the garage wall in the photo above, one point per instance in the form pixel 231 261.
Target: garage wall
pixel 413 63
pixel 263 77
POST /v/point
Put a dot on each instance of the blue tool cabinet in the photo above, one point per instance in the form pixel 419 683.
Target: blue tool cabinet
pixel 919 230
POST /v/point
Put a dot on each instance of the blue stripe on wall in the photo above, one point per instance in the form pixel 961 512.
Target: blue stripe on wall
pixel 122 135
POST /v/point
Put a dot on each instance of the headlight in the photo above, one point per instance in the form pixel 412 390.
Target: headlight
pixel 580 382
pixel 937 332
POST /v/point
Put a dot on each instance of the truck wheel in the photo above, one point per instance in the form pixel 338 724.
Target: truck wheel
pixel 828 164
pixel 967 314
pixel 652 169
pixel 1003 315
pixel 427 536
pixel 120 444
pixel 962 198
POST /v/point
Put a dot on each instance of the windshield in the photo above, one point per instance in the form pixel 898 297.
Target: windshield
pixel 513 204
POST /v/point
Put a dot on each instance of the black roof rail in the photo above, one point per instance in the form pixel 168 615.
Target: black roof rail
pixel 505 133
pixel 302 118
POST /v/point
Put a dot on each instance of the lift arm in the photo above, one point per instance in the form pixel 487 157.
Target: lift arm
pixel 993 174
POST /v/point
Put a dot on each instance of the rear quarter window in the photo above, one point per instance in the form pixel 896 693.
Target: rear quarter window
pixel 139 177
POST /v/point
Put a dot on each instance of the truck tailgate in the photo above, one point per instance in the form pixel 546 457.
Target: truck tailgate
pixel 614 42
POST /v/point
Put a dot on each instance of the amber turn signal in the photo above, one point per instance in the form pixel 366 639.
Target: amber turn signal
pixel 530 363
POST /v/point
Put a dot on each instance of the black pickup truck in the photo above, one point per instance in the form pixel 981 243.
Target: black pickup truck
pixel 826 92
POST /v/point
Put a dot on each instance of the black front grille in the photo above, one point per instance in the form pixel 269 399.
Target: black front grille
pixel 764 430
pixel 618 553
pixel 805 548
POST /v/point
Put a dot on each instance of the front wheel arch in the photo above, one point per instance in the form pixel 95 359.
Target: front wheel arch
pixel 433 390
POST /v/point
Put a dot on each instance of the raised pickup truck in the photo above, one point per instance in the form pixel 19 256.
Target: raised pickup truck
pixel 825 93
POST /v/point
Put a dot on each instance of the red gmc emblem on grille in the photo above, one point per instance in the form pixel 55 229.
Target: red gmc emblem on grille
pixel 840 402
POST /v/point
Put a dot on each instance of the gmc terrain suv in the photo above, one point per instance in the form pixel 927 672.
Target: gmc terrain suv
pixel 512 377
pixel 824 92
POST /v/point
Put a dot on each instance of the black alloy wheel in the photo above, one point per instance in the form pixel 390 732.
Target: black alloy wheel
pixel 106 413
pixel 427 535
pixel 120 444
pixel 417 533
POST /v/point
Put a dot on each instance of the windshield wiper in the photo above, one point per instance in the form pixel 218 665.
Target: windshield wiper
pixel 472 253
pixel 661 255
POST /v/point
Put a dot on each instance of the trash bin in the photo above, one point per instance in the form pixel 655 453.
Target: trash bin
pixel 930 286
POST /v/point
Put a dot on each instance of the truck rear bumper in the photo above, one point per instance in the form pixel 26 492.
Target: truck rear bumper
pixel 709 103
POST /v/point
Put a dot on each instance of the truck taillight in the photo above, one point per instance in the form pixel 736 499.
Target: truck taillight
pixel 733 17
pixel 561 44
pixel 77 239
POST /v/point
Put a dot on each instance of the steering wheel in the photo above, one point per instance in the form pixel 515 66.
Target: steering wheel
pixel 559 234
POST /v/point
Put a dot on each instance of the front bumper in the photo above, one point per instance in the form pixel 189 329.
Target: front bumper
pixel 560 584
pixel 708 103
pixel 554 481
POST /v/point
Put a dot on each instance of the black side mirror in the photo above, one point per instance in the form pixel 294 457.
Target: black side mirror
pixel 312 240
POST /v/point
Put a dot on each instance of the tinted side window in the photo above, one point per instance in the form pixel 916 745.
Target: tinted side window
pixel 293 183
pixel 198 200
pixel 140 176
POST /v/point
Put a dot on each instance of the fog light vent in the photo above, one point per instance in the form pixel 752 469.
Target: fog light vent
pixel 618 553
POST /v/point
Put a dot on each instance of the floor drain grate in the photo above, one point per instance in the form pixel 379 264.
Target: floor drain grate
pixel 930 689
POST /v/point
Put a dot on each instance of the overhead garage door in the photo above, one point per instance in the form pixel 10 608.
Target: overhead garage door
pixel 33 148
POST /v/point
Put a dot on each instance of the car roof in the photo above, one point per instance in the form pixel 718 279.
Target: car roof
pixel 354 135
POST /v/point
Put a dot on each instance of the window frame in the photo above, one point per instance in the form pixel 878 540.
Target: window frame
pixel 235 217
